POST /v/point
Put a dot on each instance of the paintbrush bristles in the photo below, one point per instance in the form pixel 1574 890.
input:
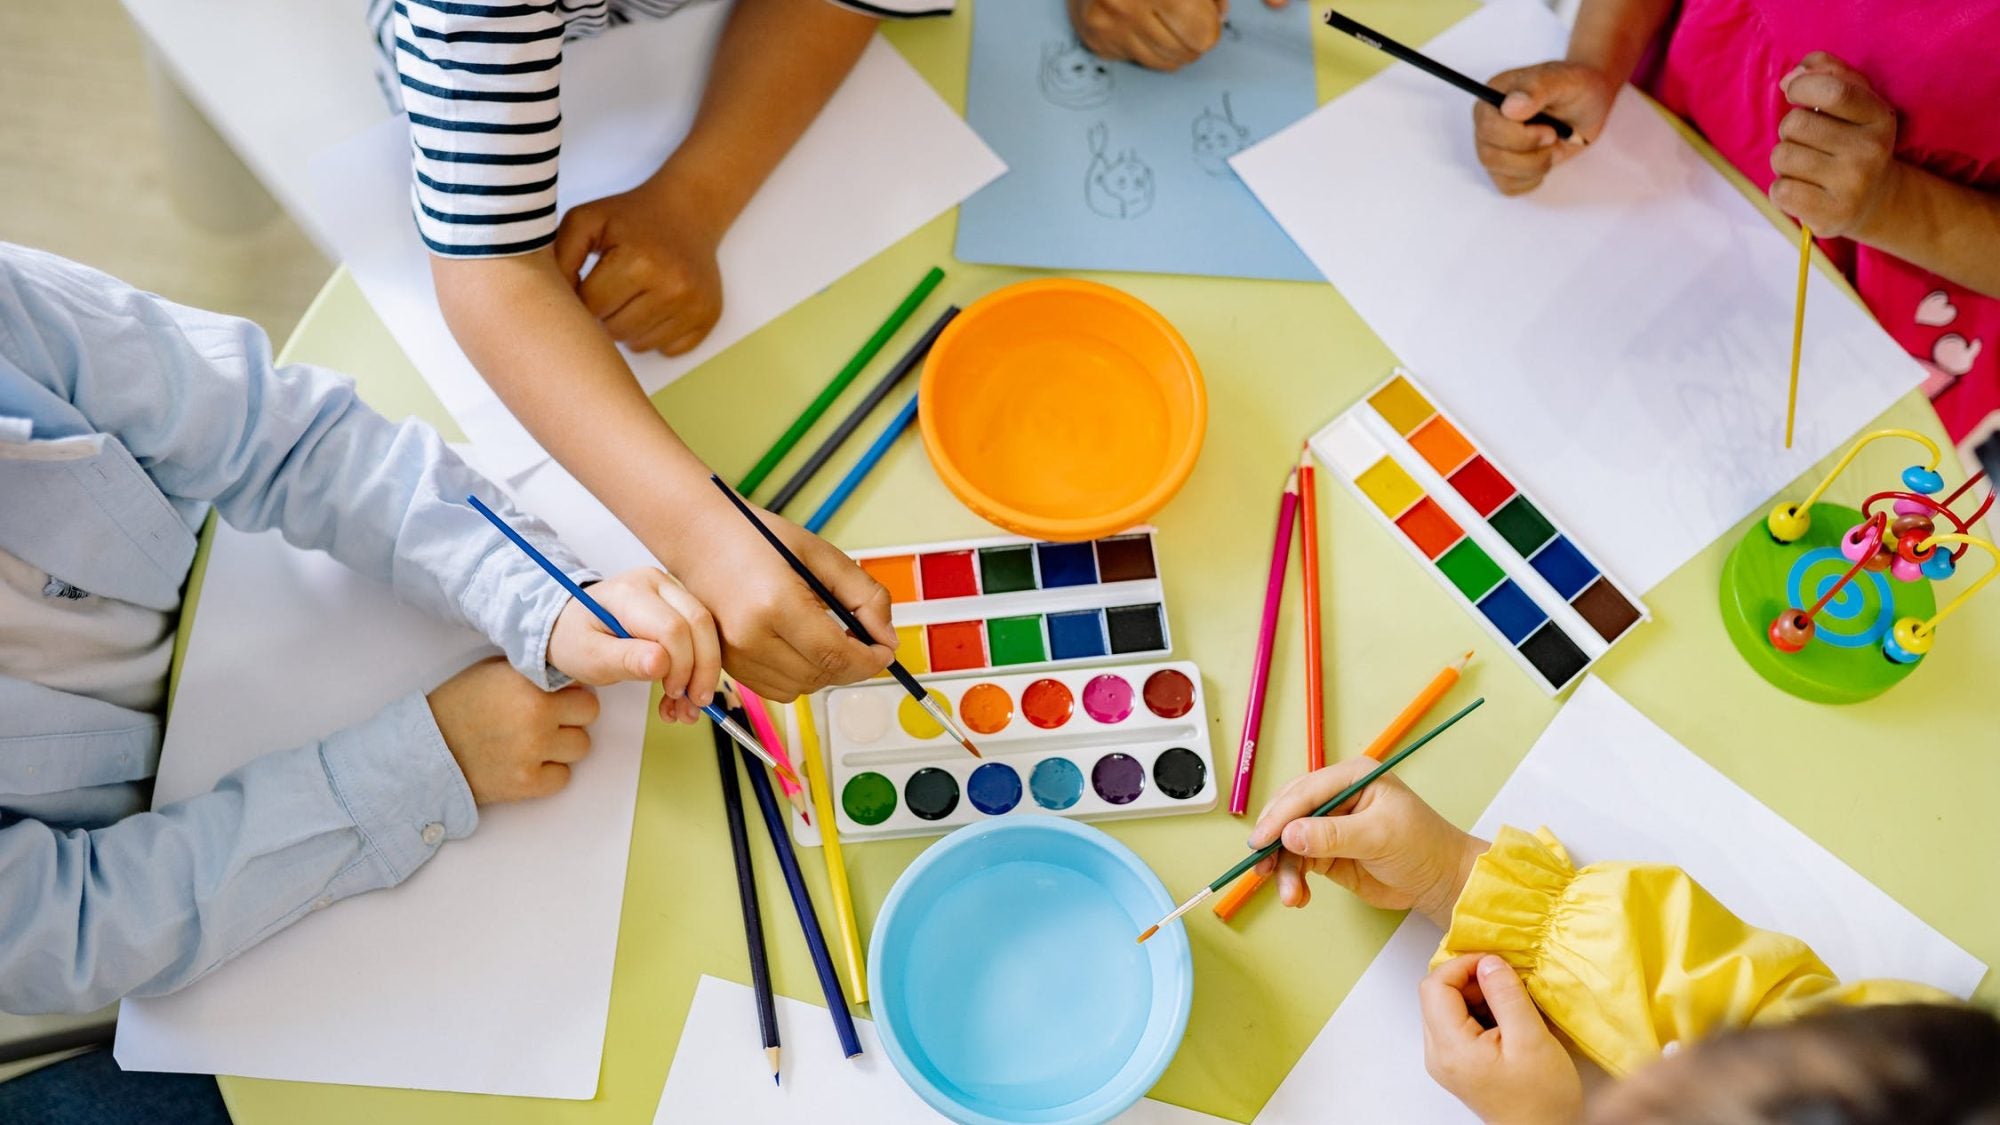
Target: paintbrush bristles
pixel 944 720
pixel 1183 908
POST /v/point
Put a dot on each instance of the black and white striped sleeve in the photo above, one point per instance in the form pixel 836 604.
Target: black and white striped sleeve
pixel 482 85
pixel 901 9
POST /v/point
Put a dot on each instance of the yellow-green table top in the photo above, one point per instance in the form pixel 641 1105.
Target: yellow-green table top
pixel 1900 788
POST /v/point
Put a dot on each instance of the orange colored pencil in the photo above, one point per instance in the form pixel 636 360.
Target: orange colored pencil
pixel 1309 556
pixel 1243 888
pixel 1401 724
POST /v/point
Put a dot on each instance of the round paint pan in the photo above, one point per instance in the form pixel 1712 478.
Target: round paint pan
pixel 1008 987
pixel 1062 409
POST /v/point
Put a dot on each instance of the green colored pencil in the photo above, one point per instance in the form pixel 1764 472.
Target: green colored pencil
pixel 1338 799
pixel 818 406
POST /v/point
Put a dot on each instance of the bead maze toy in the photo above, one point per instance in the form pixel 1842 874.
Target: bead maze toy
pixel 1836 605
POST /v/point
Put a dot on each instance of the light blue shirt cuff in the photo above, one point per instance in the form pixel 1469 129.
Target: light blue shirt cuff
pixel 401 785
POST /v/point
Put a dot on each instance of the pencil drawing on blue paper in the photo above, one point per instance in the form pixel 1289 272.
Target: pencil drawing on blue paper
pixel 1151 150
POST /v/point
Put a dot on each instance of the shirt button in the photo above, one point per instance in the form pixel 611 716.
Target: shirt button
pixel 433 832
pixel 322 902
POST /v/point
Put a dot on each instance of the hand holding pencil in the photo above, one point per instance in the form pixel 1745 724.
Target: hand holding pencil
pixel 1517 151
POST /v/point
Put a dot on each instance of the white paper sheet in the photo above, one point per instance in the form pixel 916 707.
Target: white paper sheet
pixel 421 985
pixel 719 1072
pixel 885 156
pixel 1620 337
pixel 1611 785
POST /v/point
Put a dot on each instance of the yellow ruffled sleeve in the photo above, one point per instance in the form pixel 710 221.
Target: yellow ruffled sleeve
pixel 1625 958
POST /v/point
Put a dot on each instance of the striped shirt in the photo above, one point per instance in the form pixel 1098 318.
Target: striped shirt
pixel 482 83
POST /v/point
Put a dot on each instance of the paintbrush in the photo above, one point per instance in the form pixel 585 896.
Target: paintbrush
pixel 1338 799
pixel 845 616
pixel 716 714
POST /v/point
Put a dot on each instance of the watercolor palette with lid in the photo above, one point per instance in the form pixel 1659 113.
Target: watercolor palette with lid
pixel 1014 604
pixel 1519 573
pixel 1096 743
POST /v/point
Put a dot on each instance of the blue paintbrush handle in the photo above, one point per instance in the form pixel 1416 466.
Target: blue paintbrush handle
pixel 715 713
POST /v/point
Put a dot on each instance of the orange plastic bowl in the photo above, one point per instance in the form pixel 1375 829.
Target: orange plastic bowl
pixel 1062 409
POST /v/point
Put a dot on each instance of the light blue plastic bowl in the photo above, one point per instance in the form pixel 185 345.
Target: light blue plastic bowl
pixel 1008 987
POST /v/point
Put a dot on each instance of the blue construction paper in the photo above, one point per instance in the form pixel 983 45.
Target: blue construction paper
pixel 1114 167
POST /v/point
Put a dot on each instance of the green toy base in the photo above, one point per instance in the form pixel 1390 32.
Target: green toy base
pixel 1754 593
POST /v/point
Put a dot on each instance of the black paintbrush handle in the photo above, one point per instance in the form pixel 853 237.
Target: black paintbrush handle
pixel 1436 69
pixel 790 490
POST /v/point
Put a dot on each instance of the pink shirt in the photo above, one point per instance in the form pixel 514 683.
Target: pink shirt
pixel 1938 63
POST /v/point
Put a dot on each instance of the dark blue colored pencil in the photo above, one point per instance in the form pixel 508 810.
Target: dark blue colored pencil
pixel 781 842
pixel 746 894
pixel 864 466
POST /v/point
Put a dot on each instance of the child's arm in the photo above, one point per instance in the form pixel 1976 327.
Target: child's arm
pixel 157 900
pixel 655 284
pixel 195 397
pixel 1605 46
pixel 1838 173
pixel 1625 958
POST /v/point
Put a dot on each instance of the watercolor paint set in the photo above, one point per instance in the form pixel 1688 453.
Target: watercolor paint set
pixel 1096 743
pixel 1013 604
pixel 1523 576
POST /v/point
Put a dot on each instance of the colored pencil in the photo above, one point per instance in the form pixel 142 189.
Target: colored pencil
pixel 1409 716
pixel 1309 561
pixel 909 362
pixel 839 383
pixel 1267 632
pixel 767 733
pixel 1437 69
pixel 869 458
pixel 1241 891
pixel 1257 855
pixel 746 895
pixel 845 616
pixel 829 981
pixel 1798 329
pixel 836 867
pixel 716 715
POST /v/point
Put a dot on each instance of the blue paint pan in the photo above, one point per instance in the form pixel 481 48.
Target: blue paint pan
pixel 1009 987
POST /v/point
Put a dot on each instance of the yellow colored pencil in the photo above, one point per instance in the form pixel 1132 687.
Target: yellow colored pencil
pixel 1798 329
pixel 829 835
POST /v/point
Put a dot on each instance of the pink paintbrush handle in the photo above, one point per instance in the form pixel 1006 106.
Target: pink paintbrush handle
pixel 767 733
pixel 1260 672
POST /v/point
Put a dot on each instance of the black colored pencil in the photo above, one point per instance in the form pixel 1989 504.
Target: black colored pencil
pixel 908 363
pixel 1437 69
pixel 746 893
pixel 781 842
pixel 845 616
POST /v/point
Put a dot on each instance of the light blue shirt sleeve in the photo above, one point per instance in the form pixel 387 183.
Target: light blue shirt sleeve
pixel 198 401
pixel 96 904
pixel 157 900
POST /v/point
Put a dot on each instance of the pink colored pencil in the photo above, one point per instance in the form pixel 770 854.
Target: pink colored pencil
pixel 1260 673
pixel 767 733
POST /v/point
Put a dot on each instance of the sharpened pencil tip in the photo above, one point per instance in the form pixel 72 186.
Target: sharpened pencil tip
pixel 1150 931
pixel 1464 660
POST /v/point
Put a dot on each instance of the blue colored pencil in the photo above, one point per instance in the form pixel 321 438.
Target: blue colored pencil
pixel 861 468
pixel 829 981
pixel 716 714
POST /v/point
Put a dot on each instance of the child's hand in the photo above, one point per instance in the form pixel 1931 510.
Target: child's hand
pixel 1386 845
pixel 512 739
pixel 777 637
pixel 1518 155
pixel 673 641
pixel 1836 159
pixel 656 285
pixel 1157 34
pixel 1514 1073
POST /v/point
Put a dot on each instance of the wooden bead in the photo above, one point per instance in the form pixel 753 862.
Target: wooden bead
pixel 1854 544
pixel 1903 525
pixel 1788 522
pixel 1939 566
pixel 1916 478
pixel 1791 631
pixel 1903 570
pixel 1880 560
